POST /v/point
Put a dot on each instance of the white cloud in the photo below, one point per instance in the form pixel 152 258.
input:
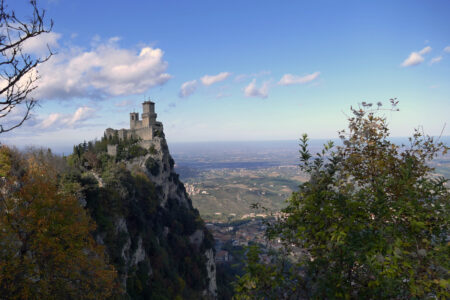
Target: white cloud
pixel 447 49
pixel 211 79
pixel 106 70
pixel 413 59
pixel 39 44
pixel 188 88
pixel 289 79
pixel 58 121
pixel 425 50
pixel 435 60
pixel 50 120
pixel 252 90
pixel 416 58
pixel 81 114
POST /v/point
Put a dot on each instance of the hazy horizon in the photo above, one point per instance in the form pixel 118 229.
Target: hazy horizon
pixel 237 70
pixel 208 147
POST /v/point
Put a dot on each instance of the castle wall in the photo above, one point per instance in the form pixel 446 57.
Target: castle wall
pixel 112 150
pixel 130 134
pixel 145 123
pixel 138 124
pixel 123 134
pixel 109 132
pixel 144 133
pixel 144 129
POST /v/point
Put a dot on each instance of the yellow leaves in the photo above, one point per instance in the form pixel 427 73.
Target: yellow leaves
pixel 5 161
pixel 47 244
pixel 443 283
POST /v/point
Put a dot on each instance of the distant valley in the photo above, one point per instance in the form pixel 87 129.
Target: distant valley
pixel 224 179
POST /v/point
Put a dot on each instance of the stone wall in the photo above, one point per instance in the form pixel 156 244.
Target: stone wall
pixel 146 129
pixel 112 150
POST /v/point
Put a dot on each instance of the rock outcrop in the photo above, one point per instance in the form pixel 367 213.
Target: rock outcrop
pixel 152 234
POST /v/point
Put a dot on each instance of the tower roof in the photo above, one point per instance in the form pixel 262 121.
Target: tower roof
pixel 148 102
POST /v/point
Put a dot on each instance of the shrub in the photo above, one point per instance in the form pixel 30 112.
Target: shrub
pixel 152 166
pixel 152 150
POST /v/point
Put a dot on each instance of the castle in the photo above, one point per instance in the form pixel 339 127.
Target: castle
pixel 146 129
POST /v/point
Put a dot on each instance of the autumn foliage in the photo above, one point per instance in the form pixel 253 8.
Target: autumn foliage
pixel 46 247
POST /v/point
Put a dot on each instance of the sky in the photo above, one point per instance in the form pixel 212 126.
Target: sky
pixel 236 70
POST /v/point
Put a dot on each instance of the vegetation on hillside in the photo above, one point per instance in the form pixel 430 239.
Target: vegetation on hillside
pixel 60 234
pixel 372 223
pixel 93 154
pixel 47 250
pixel 175 267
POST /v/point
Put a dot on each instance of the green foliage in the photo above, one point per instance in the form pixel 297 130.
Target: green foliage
pixel 126 208
pixel 159 133
pixel 92 154
pixel 47 251
pixel 129 148
pixel 372 220
pixel 277 280
pixel 152 166
pixel 164 232
pixel 152 150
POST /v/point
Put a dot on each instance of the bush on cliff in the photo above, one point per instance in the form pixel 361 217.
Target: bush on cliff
pixel 152 166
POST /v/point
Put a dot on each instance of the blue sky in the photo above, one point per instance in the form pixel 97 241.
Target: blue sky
pixel 238 70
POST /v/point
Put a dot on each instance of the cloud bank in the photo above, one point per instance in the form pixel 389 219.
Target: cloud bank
pixel 106 70
pixel 40 44
pixel 58 121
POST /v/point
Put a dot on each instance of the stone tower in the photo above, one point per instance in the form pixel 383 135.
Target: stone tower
pixel 148 115
pixel 134 120
pixel 145 129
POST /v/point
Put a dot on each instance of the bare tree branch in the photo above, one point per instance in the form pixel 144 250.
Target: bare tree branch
pixel 18 73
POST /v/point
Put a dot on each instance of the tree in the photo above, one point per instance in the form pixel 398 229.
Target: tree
pixel 372 219
pixel 47 248
pixel 18 69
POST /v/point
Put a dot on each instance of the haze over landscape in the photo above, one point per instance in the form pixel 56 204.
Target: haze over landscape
pixel 237 70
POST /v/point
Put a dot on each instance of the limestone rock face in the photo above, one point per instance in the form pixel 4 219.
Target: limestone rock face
pixel 211 267
pixel 155 232
pixel 164 177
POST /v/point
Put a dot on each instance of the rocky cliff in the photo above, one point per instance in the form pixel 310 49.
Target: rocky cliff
pixel 154 237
